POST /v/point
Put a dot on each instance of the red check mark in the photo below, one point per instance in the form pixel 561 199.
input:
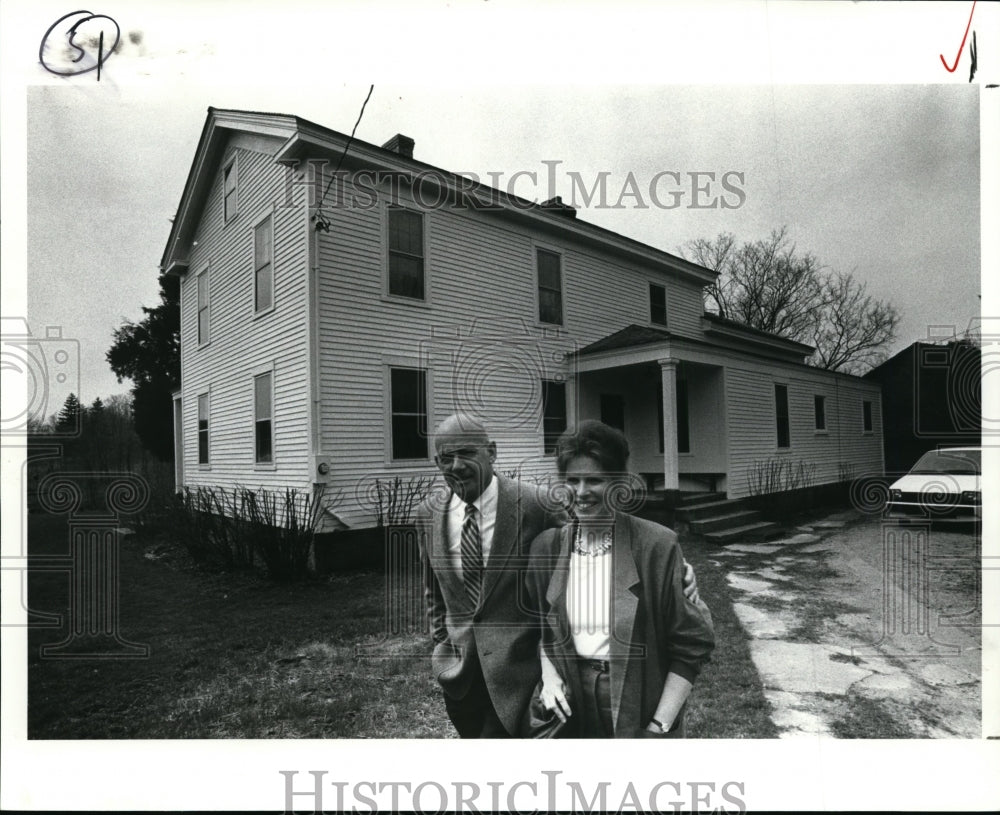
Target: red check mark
pixel 961 48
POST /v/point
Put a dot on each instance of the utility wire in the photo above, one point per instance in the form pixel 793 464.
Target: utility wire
pixel 319 207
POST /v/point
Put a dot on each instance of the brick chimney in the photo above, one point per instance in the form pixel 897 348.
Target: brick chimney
pixel 400 144
pixel 556 205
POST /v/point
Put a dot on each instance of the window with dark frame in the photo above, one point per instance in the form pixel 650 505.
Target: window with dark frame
pixel 203 307
pixel 549 287
pixel 203 428
pixel 683 422
pixel 819 408
pixel 262 419
pixel 657 304
pixel 613 410
pixel 406 253
pixel 553 413
pixel 781 415
pixel 408 408
pixel 866 416
pixel 230 194
pixel 263 253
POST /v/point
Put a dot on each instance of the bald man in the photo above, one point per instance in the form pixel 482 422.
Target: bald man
pixel 474 552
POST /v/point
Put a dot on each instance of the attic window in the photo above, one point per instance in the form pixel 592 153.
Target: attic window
pixel 230 193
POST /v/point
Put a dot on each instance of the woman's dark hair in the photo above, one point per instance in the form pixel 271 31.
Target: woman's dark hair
pixel 606 445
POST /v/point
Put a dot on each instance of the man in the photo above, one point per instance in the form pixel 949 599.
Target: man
pixel 474 552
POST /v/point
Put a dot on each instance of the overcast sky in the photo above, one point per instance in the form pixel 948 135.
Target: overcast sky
pixel 881 181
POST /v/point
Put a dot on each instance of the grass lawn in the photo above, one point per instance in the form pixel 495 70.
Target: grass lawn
pixel 234 656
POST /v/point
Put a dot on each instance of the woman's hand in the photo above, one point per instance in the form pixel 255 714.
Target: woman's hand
pixel 553 697
pixel 690 583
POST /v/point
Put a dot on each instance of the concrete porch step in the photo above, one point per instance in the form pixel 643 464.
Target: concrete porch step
pixel 690 499
pixel 732 520
pixel 711 509
pixel 752 533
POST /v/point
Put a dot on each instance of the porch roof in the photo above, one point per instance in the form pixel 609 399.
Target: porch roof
pixel 628 337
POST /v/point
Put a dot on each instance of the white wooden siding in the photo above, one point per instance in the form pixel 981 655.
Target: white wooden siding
pixel 477 333
pixel 843 448
pixel 243 344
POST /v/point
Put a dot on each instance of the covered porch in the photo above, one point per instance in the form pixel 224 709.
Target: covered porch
pixel 668 401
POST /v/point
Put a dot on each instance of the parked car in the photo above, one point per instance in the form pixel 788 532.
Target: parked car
pixel 943 485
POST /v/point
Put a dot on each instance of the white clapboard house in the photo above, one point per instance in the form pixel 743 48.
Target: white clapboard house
pixel 331 315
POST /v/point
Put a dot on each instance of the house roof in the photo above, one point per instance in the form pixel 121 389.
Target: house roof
pixel 301 137
pixel 732 328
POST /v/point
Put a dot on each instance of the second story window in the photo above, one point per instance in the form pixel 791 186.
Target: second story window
pixel 866 416
pixel 230 193
pixel 263 268
pixel 406 253
pixel 657 304
pixel 203 307
pixel 550 309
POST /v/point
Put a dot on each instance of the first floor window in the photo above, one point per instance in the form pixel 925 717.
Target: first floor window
pixel 819 409
pixel 408 403
pixel 553 413
pixel 263 267
pixel 866 416
pixel 613 410
pixel 683 422
pixel 406 253
pixel 263 419
pixel 203 428
pixel 781 415
pixel 683 426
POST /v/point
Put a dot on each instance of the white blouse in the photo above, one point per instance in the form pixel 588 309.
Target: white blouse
pixel 588 604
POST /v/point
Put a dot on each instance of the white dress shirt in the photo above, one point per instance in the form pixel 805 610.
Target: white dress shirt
pixel 588 604
pixel 486 504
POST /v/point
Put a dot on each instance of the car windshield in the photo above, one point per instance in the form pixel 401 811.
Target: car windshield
pixel 952 462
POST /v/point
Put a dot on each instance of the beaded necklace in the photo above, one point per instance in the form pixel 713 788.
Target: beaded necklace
pixel 602 548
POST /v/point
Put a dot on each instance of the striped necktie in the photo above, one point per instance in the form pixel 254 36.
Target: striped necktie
pixel 472 555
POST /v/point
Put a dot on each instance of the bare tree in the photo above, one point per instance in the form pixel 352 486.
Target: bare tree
pixel 854 328
pixel 768 285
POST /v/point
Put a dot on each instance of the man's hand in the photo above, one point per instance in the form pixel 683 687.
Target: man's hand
pixel 690 583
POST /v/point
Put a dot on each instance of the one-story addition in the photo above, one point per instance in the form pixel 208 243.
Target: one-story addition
pixel 338 299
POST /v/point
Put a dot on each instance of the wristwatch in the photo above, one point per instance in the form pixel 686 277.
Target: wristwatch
pixel 658 724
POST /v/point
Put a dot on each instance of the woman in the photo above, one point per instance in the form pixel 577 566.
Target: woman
pixel 621 644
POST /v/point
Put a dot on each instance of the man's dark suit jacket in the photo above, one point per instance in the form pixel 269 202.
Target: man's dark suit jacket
pixel 502 634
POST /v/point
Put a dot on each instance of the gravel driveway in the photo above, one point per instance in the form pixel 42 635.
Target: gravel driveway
pixel 864 629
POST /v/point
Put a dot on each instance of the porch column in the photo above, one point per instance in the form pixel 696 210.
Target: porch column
pixel 671 461
pixel 572 399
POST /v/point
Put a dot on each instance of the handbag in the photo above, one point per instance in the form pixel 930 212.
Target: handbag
pixel 539 722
